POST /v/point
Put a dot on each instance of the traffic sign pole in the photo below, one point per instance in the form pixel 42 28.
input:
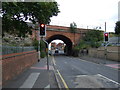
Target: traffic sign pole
pixel 47 53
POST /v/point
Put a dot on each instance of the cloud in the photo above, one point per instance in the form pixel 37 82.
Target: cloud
pixel 87 13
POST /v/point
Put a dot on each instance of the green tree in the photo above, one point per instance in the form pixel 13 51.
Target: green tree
pixel 15 14
pixel 117 27
pixel 94 37
pixel 82 45
pixel 73 27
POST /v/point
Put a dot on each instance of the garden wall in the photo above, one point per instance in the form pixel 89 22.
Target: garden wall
pixel 14 64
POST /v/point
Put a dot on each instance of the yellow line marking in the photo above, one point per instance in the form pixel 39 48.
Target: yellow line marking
pixel 66 86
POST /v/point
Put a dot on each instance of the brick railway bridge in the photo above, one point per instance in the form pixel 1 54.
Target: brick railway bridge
pixel 54 32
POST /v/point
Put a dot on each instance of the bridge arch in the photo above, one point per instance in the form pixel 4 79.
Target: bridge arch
pixel 65 39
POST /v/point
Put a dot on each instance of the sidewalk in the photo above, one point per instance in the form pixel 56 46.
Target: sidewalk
pixel 37 76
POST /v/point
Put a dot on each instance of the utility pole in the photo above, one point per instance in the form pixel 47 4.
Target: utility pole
pixel 105 46
pixel 36 27
pixel 39 49
pixel 105 26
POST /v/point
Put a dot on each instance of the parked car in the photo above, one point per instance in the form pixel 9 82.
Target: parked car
pixel 56 51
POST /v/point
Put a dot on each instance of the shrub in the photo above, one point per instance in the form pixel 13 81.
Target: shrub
pixel 42 54
pixel 6 39
pixel 35 43
pixel 27 44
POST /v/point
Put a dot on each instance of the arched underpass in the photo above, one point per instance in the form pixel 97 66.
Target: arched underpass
pixel 66 40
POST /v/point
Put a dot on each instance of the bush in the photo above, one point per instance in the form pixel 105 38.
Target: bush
pixel 75 52
pixel 6 39
pixel 35 43
pixel 95 44
pixel 42 54
pixel 42 45
pixel 27 44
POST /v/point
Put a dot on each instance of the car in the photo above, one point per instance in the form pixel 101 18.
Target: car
pixel 56 51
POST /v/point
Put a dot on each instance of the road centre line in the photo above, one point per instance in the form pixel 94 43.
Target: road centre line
pixel 109 79
pixel 30 81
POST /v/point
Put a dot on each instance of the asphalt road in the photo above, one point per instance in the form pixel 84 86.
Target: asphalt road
pixel 78 73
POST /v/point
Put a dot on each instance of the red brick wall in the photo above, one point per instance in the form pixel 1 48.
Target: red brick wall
pixel 67 34
pixel 14 64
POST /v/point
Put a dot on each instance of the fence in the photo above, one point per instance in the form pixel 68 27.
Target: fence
pixel 11 49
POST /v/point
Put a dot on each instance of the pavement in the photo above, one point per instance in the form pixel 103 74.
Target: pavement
pixel 37 76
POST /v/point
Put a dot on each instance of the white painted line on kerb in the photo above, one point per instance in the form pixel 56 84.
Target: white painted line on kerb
pixel 109 79
pixel 30 81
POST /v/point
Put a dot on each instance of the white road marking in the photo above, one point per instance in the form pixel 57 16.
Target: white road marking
pixel 30 81
pixel 48 86
pixel 109 79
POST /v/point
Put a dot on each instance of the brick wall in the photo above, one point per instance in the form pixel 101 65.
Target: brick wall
pixel 14 64
pixel 61 30
pixel 69 35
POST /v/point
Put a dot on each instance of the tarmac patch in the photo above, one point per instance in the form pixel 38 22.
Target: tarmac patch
pixel 94 81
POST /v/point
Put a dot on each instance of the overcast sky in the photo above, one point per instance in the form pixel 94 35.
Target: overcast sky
pixel 91 13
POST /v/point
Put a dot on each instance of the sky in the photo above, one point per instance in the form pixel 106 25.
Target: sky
pixel 87 13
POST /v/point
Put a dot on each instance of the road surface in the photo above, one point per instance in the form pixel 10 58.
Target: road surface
pixel 78 73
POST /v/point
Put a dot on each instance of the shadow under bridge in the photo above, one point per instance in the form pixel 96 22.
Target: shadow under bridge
pixel 66 40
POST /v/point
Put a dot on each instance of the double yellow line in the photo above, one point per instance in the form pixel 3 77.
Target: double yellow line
pixel 63 81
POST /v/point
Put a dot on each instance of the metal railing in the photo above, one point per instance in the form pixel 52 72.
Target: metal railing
pixel 14 49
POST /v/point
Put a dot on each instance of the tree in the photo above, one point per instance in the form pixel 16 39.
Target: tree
pixel 15 15
pixel 117 27
pixel 93 37
pixel 73 27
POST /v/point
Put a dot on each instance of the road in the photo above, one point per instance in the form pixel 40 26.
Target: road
pixel 78 73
